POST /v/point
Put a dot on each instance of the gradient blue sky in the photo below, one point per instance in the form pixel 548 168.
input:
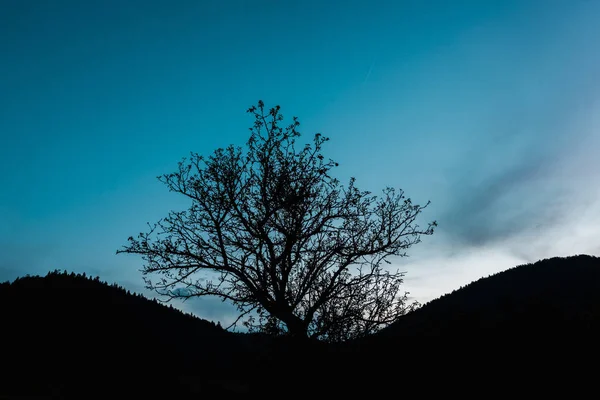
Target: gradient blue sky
pixel 490 109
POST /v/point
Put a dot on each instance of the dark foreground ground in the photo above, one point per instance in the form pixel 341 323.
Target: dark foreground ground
pixel 529 331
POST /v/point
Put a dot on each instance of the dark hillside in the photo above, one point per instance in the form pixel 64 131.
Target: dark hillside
pixel 68 336
pixel 552 295
pixel 69 330
pixel 533 330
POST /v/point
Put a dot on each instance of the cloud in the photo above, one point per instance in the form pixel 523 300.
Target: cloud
pixel 448 270
pixel 496 208
pixel 547 205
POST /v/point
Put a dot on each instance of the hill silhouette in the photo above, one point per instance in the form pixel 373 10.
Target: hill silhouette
pixel 74 336
pixel 549 295
pixel 69 336
pixel 532 330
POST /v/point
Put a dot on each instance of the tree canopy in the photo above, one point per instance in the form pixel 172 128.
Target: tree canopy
pixel 270 230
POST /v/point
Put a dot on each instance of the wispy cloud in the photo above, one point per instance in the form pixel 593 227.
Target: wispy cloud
pixel 539 208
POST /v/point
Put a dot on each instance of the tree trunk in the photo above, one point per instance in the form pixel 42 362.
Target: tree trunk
pixel 297 328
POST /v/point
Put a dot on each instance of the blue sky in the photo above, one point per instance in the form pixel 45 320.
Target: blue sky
pixel 490 109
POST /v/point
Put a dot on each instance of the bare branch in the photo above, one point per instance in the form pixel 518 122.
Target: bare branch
pixel 291 247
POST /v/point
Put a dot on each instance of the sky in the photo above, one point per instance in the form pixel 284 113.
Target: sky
pixel 489 109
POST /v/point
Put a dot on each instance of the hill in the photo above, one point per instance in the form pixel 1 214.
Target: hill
pixel 560 294
pixel 531 330
pixel 70 336
pixel 73 335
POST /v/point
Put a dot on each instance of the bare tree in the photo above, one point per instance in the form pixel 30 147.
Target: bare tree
pixel 271 231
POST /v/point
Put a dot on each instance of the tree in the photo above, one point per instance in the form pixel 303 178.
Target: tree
pixel 271 231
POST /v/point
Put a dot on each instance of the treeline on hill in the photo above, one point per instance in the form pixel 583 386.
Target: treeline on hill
pixel 560 294
pixel 80 333
pixel 68 334
pixel 528 329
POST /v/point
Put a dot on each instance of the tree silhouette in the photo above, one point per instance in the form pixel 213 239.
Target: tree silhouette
pixel 271 231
